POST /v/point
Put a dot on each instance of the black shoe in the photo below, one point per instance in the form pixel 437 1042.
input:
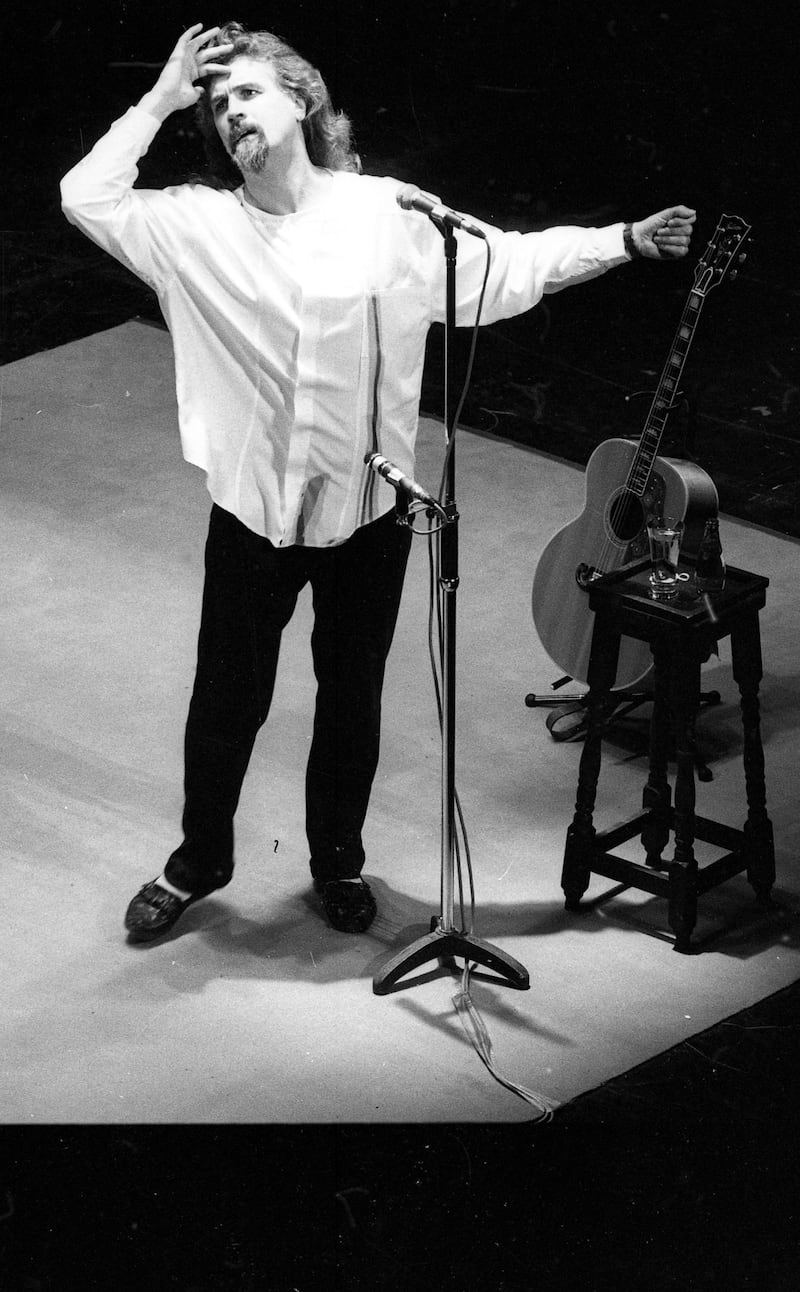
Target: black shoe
pixel 350 908
pixel 154 911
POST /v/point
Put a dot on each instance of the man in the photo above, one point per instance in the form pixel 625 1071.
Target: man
pixel 299 299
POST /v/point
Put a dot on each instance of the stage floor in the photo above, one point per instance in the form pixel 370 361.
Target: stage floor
pixel 255 1011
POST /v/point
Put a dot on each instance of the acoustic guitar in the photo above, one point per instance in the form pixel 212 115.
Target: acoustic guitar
pixel 625 483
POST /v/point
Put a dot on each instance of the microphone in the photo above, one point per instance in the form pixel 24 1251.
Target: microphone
pixel 403 484
pixel 413 199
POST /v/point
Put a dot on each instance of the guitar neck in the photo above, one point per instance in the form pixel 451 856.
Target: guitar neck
pixel 647 451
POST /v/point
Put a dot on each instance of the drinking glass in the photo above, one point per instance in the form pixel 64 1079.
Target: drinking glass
pixel 664 535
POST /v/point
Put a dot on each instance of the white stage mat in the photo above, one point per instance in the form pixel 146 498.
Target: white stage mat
pixel 255 1011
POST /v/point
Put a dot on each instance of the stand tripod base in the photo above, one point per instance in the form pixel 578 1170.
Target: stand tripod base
pixel 443 945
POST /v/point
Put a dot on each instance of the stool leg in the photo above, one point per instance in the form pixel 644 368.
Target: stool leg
pixel 685 699
pixel 758 838
pixel 657 796
pixel 577 868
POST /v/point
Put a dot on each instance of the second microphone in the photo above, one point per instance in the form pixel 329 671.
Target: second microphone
pixel 403 483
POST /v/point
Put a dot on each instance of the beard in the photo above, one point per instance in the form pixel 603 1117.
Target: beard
pixel 250 153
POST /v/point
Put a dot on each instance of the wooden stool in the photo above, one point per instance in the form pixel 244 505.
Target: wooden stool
pixel 682 635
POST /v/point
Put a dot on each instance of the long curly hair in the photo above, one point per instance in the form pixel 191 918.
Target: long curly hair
pixel 328 133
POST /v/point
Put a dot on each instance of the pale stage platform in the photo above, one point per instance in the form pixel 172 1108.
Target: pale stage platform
pixel 255 1011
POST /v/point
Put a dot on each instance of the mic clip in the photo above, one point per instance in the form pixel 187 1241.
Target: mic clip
pixel 401 512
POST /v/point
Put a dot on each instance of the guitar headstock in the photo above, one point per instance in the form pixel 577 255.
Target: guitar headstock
pixel 727 245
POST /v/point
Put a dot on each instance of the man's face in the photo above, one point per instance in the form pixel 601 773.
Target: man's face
pixel 255 117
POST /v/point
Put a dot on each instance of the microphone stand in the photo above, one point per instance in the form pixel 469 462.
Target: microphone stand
pixel 446 941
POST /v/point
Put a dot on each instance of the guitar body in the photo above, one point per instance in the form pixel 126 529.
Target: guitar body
pixel 610 533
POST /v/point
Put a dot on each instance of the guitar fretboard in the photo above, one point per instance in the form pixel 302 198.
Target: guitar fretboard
pixel 647 452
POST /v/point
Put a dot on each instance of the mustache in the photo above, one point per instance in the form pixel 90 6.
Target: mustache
pixel 241 132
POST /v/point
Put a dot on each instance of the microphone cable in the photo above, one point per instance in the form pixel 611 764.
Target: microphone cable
pixel 417 507
pixel 435 618
pixel 467 377
pixel 436 653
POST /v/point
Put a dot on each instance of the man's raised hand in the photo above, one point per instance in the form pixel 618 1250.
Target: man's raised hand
pixel 193 57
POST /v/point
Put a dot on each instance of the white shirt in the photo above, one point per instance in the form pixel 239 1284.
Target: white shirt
pixel 299 340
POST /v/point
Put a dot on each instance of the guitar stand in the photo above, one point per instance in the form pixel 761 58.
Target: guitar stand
pixel 620 704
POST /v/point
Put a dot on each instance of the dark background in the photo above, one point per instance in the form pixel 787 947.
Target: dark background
pixel 682 1174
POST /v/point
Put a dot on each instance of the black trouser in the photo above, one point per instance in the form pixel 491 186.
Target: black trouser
pixel 250 593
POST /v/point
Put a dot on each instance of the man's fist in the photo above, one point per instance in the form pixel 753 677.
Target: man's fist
pixel 665 235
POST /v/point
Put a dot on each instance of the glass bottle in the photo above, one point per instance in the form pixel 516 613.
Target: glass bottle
pixel 710 565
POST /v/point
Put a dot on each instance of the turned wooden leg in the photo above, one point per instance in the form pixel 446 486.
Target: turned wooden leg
pixel 685 698
pixel 657 795
pixel 747 671
pixel 576 871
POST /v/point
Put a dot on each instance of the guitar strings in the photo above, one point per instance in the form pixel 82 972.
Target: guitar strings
pixel 632 497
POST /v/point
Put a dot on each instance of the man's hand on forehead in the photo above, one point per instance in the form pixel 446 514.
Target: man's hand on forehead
pixel 193 59
pixel 204 49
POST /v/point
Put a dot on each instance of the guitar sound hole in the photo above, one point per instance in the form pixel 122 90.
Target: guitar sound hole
pixel 625 516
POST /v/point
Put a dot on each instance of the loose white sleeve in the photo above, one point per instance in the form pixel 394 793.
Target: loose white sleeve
pixel 527 266
pixel 98 196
